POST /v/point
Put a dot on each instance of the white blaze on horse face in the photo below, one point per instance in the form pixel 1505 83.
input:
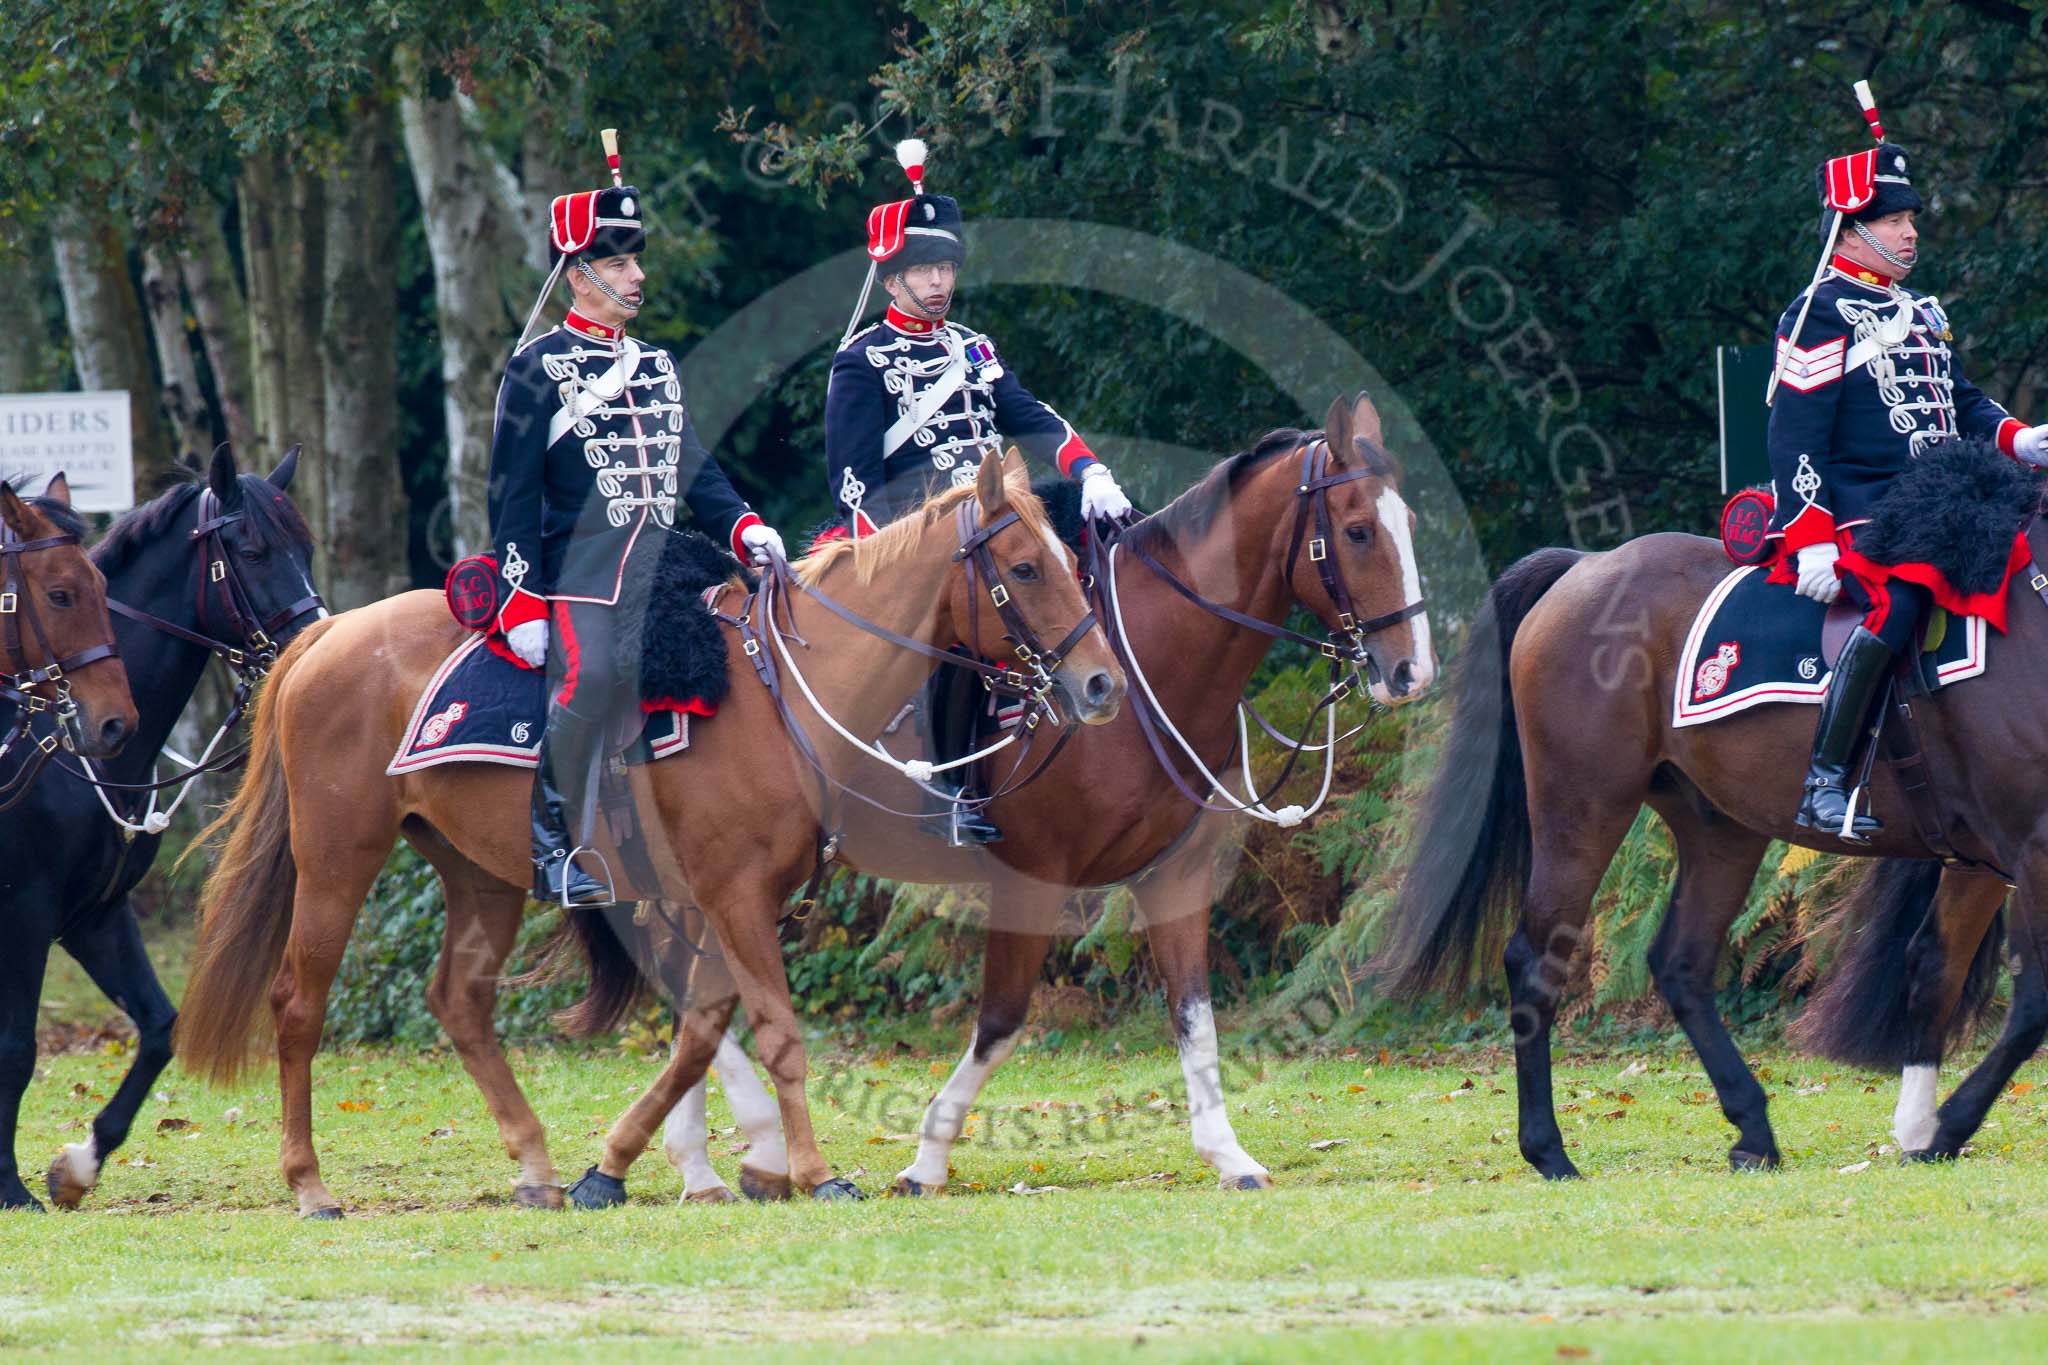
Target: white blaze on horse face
pixel 1201 1066
pixel 1913 1121
pixel 1394 519
pixel 947 1114
pixel 1059 551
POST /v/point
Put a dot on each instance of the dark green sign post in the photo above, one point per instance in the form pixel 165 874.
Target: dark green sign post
pixel 1745 372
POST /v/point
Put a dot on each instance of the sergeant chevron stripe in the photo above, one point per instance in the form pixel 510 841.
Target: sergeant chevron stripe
pixel 1806 370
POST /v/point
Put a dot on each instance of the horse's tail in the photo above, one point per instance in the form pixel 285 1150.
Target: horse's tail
pixel 246 906
pixel 617 985
pixel 1862 1014
pixel 1472 857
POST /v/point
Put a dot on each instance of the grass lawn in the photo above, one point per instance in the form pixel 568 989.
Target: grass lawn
pixel 1405 1224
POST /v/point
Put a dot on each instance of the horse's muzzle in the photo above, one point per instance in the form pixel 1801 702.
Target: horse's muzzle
pixel 1091 695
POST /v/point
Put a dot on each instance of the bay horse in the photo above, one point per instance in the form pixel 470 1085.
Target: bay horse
pixel 63 686
pixel 317 815
pixel 1562 734
pixel 218 568
pixel 1106 809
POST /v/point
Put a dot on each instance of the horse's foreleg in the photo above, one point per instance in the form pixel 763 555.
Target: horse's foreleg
pixel 1573 842
pixel 332 883
pixel 1939 960
pixel 110 949
pixel 21 987
pixel 686 1137
pixel 1010 964
pixel 1174 901
pixel 482 926
pixel 1717 861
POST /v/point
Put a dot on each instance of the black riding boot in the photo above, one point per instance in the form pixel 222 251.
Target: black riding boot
pixel 952 704
pixel 1844 714
pixel 560 785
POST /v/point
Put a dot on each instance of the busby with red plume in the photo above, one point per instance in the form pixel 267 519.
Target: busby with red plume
pixel 591 225
pixel 920 230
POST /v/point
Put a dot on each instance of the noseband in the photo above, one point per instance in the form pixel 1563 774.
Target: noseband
pixel 22 680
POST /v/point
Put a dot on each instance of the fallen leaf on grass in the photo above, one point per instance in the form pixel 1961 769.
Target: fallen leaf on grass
pixel 1852 1168
pixel 1354 1089
pixel 1327 1143
pixel 353 1106
pixel 1572 1353
pixel 2019 1087
pixel 1021 1188
pixel 172 1125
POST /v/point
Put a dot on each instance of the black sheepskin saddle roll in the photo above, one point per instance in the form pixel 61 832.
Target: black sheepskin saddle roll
pixel 1957 509
pixel 484 706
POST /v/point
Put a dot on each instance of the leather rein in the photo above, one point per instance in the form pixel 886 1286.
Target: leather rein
pixel 20 685
pixel 1344 647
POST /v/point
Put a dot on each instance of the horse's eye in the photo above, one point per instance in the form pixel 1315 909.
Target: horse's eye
pixel 1025 572
pixel 252 553
pixel 60 598
pixel 1359 535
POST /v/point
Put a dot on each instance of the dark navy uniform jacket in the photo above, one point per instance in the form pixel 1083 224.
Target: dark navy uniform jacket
pixel 949 401
pixel 592 448
pixel 1870 383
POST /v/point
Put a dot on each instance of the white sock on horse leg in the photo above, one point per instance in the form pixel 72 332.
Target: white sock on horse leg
pixel 1201 1066
pixel 1913 1121
pixel 947 1114
pixel 753 1108
pixel 686 1142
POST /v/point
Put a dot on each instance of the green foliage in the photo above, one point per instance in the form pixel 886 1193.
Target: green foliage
pixel 380 993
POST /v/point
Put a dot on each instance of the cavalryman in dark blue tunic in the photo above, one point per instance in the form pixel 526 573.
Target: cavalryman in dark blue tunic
pixel 1866 381
pixel 916 402
pixel 592 450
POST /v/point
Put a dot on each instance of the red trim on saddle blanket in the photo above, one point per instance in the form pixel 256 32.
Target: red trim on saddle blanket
pixel 691 706
pixel 1989 605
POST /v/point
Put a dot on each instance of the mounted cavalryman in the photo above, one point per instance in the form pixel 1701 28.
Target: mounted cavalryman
pixel 592 446
pixel 1865 381
pixel 914 404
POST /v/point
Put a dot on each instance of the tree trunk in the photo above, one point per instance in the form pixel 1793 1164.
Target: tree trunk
pixel 262 190
pixel 302 273
pixel 476 236
pixel 108 343
pixel 28 357
pixel 189 423
pixel 366 536
pixel 209 273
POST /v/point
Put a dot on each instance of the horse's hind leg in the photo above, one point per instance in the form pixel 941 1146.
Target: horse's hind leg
pixel 21 986
pixel 1573 839
pixel 1939 961
pixel 686 1136
pixel 483 924
pixel 109 947
pixel 1717 862
pixel 1959 1117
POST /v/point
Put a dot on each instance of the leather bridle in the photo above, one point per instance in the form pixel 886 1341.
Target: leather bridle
pixel 22 683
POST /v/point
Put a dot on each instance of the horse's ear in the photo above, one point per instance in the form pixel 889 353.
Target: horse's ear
pixel 281 477
pixel 1337 429
pixel 992 486
pixel 223 478
pixel 1016 472
pixel 59 490
pixel 15 512
pixel 1365 419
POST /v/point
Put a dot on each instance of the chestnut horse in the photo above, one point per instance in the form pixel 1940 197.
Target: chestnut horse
pixel 1105 810
pixel 1562 733
pixel 317 815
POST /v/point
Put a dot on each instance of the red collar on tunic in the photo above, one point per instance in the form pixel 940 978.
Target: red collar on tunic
pixel 1862 274
pixel 917 327
pixel 576 322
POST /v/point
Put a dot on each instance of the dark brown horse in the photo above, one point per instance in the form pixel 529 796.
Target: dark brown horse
pixel 317 815
pixel 1106 810
pixel 1562 734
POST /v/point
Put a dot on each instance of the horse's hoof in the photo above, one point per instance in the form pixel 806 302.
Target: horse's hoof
pixel 711 1194
pixel 596 1190
pixel 330 1214
pixel 537 1196
pixel 909 1187
pixel 1739 1160
pixel 1557 1167
pixel 837 1188
pixel 764 1187
pixel 1927 1156
pixel 66 1191
pixel 1248 1181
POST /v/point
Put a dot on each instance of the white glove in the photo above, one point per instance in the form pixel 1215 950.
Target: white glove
pixel 2031 446
pixel 529 640
pixel 763 544
pixel 1100 497
pixel 1817 578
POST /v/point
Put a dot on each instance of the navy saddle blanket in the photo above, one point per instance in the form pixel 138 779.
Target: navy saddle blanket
pixel 1753 641
pixel 481 708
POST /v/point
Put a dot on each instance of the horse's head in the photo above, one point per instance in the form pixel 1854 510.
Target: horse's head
pixel 56 641
pixel 1036 594
pixel 258 567
pixel 1366 551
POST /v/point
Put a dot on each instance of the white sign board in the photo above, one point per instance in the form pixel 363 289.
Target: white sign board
pixel 83 434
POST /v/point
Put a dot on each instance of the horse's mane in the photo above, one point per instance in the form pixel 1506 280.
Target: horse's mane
pixel 67 520
pixel 1194 512
pixel 272 520
pixel 895 542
